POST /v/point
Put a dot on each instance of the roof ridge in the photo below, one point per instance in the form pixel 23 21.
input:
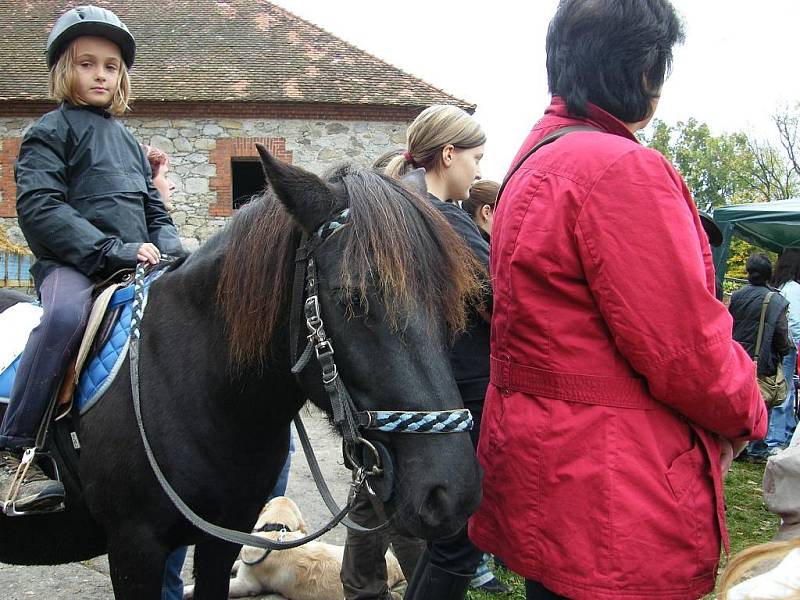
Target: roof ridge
pixel 361 50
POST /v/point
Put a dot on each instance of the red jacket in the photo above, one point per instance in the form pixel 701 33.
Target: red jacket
pixel 613 374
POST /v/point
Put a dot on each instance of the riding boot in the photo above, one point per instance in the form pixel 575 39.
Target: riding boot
pixel 434 583
pixel 36 492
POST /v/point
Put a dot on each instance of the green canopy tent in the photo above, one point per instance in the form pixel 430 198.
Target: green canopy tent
pixel 771 225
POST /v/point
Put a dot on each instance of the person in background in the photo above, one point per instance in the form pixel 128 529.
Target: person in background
pixel 783 418
pixel 159 165
pixel 172 588
pixel 364 575
pixel 87 207
pixel 745 308
pixel 617 396
pixel 448 144
pixel 480 205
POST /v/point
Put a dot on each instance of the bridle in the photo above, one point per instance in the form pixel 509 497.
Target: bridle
pixel 374 460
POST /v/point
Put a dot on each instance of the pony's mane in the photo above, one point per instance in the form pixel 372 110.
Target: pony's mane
pixel 395 243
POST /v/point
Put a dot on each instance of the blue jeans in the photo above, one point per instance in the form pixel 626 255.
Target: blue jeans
pixel 782 419
pixel 283 478
pixel 172 589
pixel 173 584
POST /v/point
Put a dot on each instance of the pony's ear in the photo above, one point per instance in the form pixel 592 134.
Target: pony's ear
pixel 307 198
pixel 415 182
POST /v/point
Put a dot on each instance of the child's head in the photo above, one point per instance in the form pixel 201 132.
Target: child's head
pixel 159 165
pixel 446 141
pixel 481 202
pixel 89 52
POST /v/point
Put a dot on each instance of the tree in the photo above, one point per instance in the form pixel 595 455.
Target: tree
pixel 786 122
pixel 718 169
pixel 774 177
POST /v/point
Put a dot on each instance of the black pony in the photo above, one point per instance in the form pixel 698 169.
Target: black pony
pixel 218 396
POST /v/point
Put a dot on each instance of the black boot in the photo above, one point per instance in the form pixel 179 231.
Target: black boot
pixel 433 583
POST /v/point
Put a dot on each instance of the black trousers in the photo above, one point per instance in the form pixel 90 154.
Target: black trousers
pixel 536 591
pixel 456 554
pixel 66 296
pixel 363 565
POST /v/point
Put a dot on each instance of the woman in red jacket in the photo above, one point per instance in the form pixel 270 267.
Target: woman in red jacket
pixel 617 394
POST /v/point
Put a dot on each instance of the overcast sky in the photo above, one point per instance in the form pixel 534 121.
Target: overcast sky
pixel 738 66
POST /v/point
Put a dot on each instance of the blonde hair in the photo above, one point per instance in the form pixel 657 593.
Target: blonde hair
pixel 62 83
pixel 750 558
pixel 433 129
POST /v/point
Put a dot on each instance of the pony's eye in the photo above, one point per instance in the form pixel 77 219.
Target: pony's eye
pixel 353 301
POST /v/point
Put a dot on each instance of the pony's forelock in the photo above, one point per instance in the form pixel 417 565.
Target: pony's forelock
pixel 396 244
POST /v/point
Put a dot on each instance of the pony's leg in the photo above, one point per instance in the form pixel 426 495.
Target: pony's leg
pixel 137 564
pixel 212 568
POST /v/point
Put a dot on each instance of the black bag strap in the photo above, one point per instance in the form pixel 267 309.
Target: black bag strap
pixel 543 142
pixel 760 334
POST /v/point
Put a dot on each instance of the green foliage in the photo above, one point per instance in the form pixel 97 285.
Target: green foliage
pixel 718 169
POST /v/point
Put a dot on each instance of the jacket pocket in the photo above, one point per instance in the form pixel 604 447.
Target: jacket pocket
pixel 683 472
pixel 688 478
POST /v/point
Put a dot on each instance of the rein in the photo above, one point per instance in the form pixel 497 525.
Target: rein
pixel 349 420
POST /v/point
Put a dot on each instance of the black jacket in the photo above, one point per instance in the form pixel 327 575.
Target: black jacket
pixel 469 356
pixel 745 308
pixel 85 195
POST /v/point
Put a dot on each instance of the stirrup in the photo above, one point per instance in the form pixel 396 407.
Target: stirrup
pixel 9 505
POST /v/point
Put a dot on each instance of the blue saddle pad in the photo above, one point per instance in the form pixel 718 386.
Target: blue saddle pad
pixel 98 374
pixel 100 371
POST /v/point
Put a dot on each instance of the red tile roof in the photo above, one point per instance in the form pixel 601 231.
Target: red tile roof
pixel 210 50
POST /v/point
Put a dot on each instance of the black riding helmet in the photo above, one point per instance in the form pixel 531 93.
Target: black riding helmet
pixel 89 20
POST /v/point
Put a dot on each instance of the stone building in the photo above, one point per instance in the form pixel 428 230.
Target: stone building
pixel 211 78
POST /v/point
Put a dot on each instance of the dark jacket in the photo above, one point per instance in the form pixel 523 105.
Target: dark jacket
pixel 469 356
pixel 745 309
pixel 85 195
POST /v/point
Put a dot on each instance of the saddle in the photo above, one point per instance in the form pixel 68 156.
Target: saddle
pixel 102 348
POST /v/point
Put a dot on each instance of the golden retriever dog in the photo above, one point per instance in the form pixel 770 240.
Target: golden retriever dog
pixel 308 572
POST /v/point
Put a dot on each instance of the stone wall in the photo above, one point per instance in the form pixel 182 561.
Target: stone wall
pixel 191 144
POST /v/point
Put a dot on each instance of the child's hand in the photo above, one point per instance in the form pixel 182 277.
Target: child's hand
pixel 148 253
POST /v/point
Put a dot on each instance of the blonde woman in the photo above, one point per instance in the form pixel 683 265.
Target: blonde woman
pixel 448 143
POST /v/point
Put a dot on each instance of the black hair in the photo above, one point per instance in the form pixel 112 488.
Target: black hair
pixel 759 269
pixel 787 267
pixel 612 53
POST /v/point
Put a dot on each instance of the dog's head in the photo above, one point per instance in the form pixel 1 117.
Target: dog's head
pixel 282 511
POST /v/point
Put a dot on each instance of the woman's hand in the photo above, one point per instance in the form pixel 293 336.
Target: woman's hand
pixel 148 253
pixel 729 449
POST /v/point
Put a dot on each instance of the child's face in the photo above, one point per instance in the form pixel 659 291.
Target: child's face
pixel 97 65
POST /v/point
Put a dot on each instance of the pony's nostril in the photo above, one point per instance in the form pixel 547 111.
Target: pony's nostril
pixel 435 508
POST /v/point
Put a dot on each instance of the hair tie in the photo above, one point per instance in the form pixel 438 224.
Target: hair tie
pixel 408 157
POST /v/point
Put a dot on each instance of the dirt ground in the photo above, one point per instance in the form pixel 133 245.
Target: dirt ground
pixel 90 581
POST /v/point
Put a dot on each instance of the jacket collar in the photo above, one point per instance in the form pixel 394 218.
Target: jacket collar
pixel 596 117
pixel 95 109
